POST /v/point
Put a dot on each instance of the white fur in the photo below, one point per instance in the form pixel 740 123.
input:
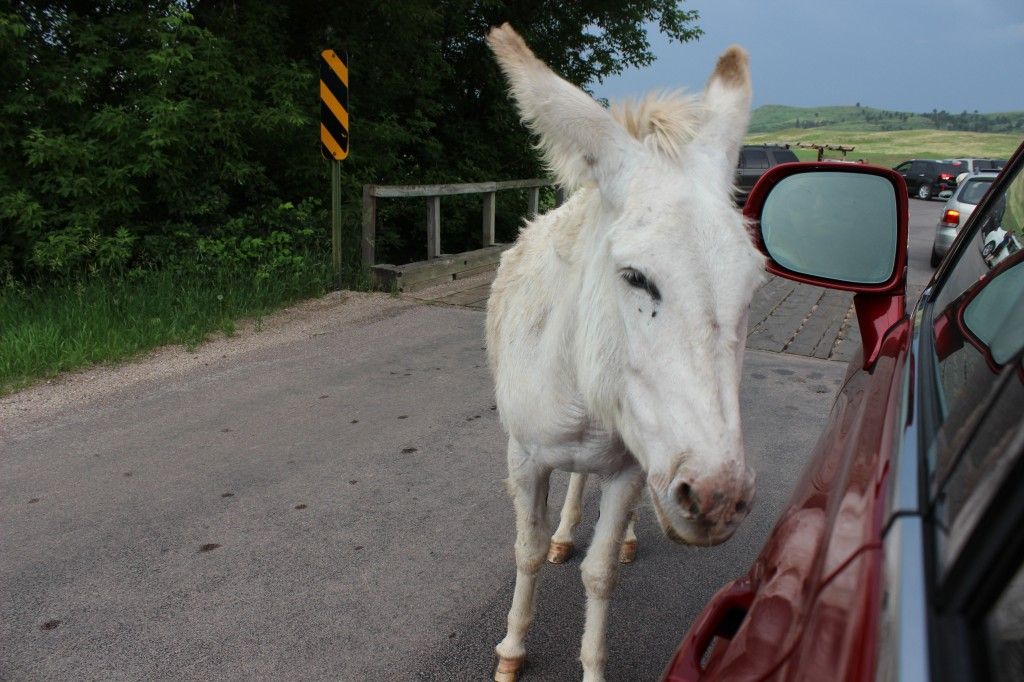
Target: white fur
pixel 595 376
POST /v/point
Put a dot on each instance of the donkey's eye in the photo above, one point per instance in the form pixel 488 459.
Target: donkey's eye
pixel 635 278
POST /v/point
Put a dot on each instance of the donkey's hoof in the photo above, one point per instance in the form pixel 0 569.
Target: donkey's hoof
pixel 508 669
pixel 558 552
pixel 627 552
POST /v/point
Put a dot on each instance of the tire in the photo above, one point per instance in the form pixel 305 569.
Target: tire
pixel 936 258
pixel 924 192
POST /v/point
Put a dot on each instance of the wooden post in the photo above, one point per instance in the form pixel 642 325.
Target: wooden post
pixel 433 227
pixel 369 227
pixel 532 202
pixel 336 220
pixel 488 234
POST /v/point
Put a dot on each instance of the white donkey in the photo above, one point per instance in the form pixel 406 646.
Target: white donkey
pixel 616 325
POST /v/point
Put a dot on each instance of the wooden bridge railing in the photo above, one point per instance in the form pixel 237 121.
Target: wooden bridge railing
pixel 433 194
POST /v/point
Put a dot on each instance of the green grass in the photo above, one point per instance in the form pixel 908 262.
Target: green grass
pixel 55 328
pixel 888 148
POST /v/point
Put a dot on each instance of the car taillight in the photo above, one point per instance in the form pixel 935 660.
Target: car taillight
pixel 945 176
pixel 951 217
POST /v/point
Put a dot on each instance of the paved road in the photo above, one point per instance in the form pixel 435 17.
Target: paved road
pixel 332 508
pixel 924 216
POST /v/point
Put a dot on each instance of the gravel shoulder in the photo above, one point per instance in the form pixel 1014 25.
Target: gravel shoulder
pixel 310 318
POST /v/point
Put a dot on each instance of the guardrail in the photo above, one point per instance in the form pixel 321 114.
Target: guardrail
pixel 433 194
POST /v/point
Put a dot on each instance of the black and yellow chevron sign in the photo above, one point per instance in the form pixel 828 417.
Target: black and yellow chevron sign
pixel 334 105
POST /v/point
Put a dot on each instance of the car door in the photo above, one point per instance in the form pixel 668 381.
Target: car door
pixel 921 174
pixel 907 171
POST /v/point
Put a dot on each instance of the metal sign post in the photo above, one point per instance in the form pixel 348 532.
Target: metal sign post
pixel 334 135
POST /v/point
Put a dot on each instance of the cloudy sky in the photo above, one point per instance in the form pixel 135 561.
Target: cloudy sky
pixel 905 55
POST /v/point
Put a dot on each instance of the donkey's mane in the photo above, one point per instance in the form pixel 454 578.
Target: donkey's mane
pixel 663 120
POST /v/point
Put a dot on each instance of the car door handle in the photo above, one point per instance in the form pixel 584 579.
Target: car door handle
pixel 721 618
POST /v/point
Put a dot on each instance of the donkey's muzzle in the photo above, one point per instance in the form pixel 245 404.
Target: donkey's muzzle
pixel 706 510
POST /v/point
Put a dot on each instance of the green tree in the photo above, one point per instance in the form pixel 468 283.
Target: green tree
pixel 166 131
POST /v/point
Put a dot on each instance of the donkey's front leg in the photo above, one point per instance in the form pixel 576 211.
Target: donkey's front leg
pixel 528 484
pixel 572 510
pixel 619 494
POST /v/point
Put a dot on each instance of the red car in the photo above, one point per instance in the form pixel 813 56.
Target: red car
pixel 900 555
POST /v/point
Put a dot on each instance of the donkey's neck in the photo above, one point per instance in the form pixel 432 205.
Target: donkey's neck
pixel 583 326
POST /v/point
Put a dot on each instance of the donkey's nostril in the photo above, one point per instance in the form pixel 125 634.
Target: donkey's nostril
pixel 685 497
pixel 741 506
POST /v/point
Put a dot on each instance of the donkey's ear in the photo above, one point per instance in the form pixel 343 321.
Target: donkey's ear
pixel 579 138
pixel 726 112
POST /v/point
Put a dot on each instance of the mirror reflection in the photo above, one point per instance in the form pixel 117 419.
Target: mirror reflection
pixel 995 316
pixel 837 225
pixel 989 314
pixel 1000 228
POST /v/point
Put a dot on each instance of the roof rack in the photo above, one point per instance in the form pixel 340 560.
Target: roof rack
pixel 822 147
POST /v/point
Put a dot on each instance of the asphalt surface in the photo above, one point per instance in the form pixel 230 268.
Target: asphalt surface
pixel 333 508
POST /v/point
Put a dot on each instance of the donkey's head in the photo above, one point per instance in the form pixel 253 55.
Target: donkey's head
pixel 666 277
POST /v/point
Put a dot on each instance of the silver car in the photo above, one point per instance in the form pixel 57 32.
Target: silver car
pixel 958 209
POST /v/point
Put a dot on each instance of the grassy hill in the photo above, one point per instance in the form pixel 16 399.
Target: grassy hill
pixel 773 117
pixel 882 137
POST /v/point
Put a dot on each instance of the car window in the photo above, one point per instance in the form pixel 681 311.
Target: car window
pixel 903 167
pixel 755 158
pixel 785 156
pixel 953 169
pixel 974 190
pixel 978 334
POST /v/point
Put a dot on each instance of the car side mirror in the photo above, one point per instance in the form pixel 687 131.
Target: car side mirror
pixel 841 227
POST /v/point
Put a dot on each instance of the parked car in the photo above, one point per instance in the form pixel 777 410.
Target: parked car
pixel 900 555
pixel 754 160
pixel 979 165
pixel 958 209
pixel 926 178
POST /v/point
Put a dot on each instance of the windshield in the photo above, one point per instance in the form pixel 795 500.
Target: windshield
pixel 974 190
